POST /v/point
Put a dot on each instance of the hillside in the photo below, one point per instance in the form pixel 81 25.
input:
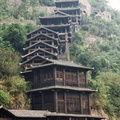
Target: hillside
pixel 95 44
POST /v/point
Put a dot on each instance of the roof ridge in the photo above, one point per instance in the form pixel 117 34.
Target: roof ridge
pixel 36 51
pixel 42 28
pixel 39 35
pixel 38 43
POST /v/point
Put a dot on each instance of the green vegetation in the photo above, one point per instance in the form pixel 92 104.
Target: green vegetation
pixel 103 54
pixel 27 10
pixel 12 87
pixel 47 2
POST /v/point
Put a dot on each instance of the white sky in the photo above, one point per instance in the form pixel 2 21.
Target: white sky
pixel 114 4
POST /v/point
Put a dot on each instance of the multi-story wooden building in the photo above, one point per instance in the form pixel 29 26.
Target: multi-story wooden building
pixel 60 22
pixel 59 87
pixel 72 8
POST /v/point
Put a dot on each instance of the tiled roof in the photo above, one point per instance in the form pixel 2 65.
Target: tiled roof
pixel 69 63
pixel 64 63
pixel 63 87
pixel 61 25
pixel 39 49
pixel 39 43
pixel 74 115
pixel 69 8
pixel 45 114
pixel 56 39
pixel 66 1
pixel 44 29
pixel 29 113
pixel 55 16
pixel 57 11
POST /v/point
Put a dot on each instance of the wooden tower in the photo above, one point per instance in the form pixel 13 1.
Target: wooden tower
pixel 58 85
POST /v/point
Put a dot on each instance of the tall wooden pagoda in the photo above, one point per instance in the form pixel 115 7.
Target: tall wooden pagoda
pixel 72 8
pixel 58 85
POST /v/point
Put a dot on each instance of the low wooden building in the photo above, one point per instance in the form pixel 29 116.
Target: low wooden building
pixel 6 114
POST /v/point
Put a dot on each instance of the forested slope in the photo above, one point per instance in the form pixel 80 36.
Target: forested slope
pixel 96 44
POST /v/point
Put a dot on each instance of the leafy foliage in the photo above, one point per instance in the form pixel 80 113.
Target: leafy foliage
pixel 47 2
pixel 98 3
pixel 28 9
pixel 17 92
pixel 13 90
pixel 8 63
pixel 15 34
pixel 4 96
pixel 102 54
pixel 14 87
pixel 107 97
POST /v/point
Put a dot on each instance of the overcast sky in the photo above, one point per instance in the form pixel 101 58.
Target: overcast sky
pixel 114 4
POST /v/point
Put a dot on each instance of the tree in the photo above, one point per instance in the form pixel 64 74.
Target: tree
pixel 17 88
pixel 16 35
pixel 9 63
pixel 47 2
pixel 30 27
pixel 77 38
pixel 4 96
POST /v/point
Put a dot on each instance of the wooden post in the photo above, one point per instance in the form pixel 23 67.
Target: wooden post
pixel 64 76
pixel 65 102
pixel 81 103
pixel 78 78
pixel 86 82
pixel 55 102
pixel 89 106
pixel 55 73
pixel 42 100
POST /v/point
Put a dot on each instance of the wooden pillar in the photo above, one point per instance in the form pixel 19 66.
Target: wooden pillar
pixel 42 99
pixel 78 78
pixel 86 82
pixel 81 103
pixel 55 102
pixel 64 76
pixel 65 102
pixel 69 118
pixel 65 30
pixel 89 106
pixel 54 74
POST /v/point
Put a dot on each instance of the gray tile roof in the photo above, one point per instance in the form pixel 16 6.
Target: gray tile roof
pixel 29 113
pixel 39 43
pixel 66 1
pixel 41 34
pixel 45 114
pixel 63 87
pixel 64 63
pixel 44 29
pixel 75 115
